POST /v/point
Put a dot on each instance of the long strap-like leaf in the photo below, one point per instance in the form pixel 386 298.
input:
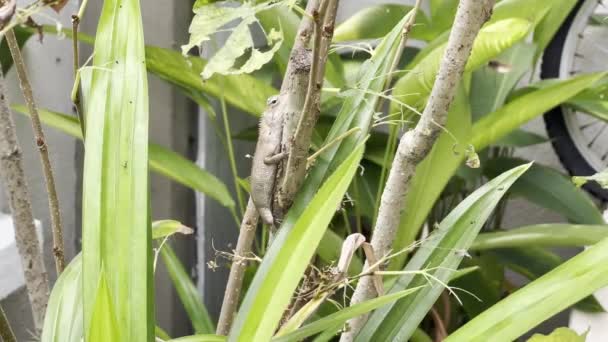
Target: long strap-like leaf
pixel 116 232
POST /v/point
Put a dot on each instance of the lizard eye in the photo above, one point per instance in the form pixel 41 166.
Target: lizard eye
pixel 273 100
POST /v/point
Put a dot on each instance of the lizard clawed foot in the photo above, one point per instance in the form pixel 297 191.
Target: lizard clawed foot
pixel 275 158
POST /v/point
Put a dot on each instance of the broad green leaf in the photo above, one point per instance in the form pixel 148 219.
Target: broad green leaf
pixel 433 174
pixel 166 228
pixel 542 235
pixel 376 21
pixel 342 316
pixel 521 138
pixel 541 299
pixel 442 15
pixel 104 325
pixel 550 189
pixel 559 335
pixel 244 92
pixel 279 274
pixel 490 86
pixel 533 262
pixel 236 46
pixel 116 232
pixel 200 338
pixel 187 292
pixel 415 86
pixel 438 256
pixel 63 319
pixel 162 160
pixel 526 107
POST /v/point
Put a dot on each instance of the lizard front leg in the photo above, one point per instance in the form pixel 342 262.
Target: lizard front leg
pixel 275 159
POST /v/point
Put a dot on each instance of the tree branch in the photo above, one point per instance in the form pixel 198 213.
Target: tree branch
pixel 237 270
pixel 417 143
pixel 13 177
pixel 298 143
pixel 291 98
pixel 26 88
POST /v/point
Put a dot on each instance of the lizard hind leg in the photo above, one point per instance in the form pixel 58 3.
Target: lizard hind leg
pixel 266 216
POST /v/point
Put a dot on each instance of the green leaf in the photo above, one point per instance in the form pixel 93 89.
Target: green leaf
pixel 542 235
pixel 244 92
pixel 63 319
pixel 184 171
pixel 166 228
pixel 187 292
pixel 116 232
pixel 279 274
pixel 162 160
pixel 438 256
pixel 533 262
pixel 526 107
pixel 376 21
pixel 486 283
pixel 342 316
pixel 559 335
pixel 521 138
pixel 550 189
pixel 415 86
pixel 433 174
pixel 490 86
pixel 200 338
pixel 104 325
pixel 541 299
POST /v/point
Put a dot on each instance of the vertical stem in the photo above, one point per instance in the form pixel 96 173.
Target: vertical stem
pixel 237 188
pixel 26 239
pixel 26 88
pixel 417 143
pixel 6 332
pixel 237 270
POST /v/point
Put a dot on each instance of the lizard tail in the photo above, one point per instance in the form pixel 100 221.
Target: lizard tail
pixel 266 216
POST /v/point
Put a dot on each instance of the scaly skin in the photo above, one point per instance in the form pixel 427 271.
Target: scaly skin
pixel 267 155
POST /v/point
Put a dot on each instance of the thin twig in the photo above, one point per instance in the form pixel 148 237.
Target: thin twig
pixel 6 332
pixel 417 143
pixel 237 270
pixel 26 88
pixel 390 148
pixel 26 239
pixel 76 99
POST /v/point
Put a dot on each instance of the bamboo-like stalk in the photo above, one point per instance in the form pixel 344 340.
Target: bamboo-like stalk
pixel 26 239
pixel 55 212
pixel 6 332
pixel 417 143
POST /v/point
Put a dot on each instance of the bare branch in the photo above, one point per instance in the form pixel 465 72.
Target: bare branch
pixel 26 88
pixel 417 143
pixel 297 143
pixel 13 177
pixel 237 270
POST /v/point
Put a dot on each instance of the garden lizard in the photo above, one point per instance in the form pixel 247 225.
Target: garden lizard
pixel 267 155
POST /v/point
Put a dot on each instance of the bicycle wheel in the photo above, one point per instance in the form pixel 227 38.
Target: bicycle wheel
pixel 580 46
